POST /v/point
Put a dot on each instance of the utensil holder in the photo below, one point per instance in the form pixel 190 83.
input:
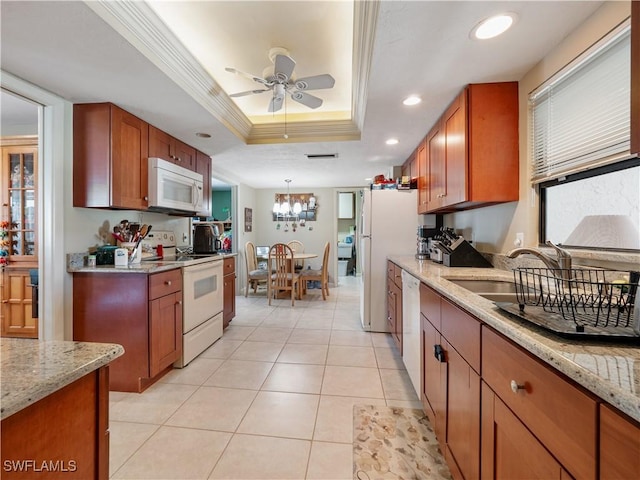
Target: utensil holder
pixel 130 246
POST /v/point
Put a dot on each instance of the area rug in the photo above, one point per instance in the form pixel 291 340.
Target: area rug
pixel 394 443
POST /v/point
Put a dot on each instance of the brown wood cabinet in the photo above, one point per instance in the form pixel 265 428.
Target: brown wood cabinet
pixel 142 312
pixel 619 445
pixel 162 145
pixel 394 303
pixel 451 380
pixel 68 430
pixel 509 449
pixel 410 167
pixel 203 167
pixel 17 303
pixel 472 151
pixel 562 417
pixel 229 291
pixel 110 158
pixel 635 77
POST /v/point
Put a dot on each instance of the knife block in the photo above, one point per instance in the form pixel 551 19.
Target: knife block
pixel 465 256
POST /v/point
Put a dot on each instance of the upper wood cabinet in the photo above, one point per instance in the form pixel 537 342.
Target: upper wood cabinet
pixel 162 145
pixel 472 151
pixel 203 167
pixel 410 167
pixel 110 158
pixel 635 77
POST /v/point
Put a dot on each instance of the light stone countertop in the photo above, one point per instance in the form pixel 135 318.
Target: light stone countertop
pixel 146 267
pixel 33 369
pixel 608 370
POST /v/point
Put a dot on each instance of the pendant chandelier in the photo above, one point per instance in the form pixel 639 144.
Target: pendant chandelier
pixel 285 211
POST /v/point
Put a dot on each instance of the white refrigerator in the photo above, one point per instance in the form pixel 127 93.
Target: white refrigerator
pixel 388 226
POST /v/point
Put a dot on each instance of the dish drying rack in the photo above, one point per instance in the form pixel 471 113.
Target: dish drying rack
pixel 579 301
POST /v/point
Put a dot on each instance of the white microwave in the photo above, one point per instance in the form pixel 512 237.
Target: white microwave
pixel 173 188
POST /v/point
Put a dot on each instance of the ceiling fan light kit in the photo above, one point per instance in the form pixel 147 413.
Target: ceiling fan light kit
pixel 279 80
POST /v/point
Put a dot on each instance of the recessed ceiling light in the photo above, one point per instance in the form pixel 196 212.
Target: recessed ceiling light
pixel 203 135
pixel 392 141
pixel 412 100
pixel 493 26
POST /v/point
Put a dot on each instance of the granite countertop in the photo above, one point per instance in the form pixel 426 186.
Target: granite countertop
pixel 76 263
pixel 32 369
pixel 610 371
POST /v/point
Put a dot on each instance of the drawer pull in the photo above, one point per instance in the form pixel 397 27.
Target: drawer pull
pixel 179 302
pixel 515 386
pixel 167 282
pixel 438 352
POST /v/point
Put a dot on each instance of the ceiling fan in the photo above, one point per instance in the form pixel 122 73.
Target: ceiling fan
pixel 279 80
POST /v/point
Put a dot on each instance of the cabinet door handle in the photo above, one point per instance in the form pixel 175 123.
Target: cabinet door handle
pixel 515 386
pixel 167 282
pixel 179 302
pixel 438 352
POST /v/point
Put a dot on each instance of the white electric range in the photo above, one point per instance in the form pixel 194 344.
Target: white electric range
pixel 202 292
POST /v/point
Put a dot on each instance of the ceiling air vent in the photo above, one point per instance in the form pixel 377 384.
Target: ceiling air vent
pixel 321 155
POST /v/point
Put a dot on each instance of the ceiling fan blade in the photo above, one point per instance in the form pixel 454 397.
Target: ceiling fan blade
pixel 306 99
pixel 316 82
pixel 276 103
pixel 248 92
pixel 248 75
pixel 284 66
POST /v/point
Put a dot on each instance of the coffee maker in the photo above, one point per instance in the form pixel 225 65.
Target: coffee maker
pixel 424 233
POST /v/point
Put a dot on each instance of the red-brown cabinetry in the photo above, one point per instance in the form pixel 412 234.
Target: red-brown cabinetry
pixel 394 303
pixel 229 291
pixel 619 445
pixel 110 158
pixel 141 312
pixel 162 145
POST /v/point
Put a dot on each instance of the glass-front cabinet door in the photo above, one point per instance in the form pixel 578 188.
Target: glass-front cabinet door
pixel 19 204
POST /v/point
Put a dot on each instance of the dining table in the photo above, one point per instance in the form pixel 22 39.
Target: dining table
pixel 299 256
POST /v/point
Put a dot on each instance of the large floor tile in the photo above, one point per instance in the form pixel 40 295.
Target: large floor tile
pixel 240 374
pixel 382 340
pixel 289 377
pixel 352 338
pixel 238 332
pixel 175 453
pixel 195 373
pixel 351 356
pixel 301 353
pixel 278 414
pixel 310 337
pixel 397 385
pixel 124 439
pixel 155 405
pixel 213 408
pixel 332 461
pixel 389 358
pixel 258 351
pixel 273 334
pixel 223 348
pixel 352 382
pixel 315 323
pixel 250 457
pixel 335 417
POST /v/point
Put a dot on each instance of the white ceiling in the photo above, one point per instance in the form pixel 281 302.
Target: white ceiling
pixel 417 48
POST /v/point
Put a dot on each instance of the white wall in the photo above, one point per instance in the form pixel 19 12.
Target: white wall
pixel 494 228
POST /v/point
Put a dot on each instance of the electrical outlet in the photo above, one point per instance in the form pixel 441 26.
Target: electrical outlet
pixel 519 241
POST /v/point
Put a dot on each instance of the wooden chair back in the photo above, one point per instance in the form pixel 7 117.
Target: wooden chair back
pixel 298 247
pixel 250 254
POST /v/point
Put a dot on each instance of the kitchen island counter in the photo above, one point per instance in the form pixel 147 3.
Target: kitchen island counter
pixel 608 370
pixel 33 369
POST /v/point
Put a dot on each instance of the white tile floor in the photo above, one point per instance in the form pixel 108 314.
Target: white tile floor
pixel 272 399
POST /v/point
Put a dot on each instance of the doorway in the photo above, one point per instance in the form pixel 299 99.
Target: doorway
pixel 20 229
pixel 346 228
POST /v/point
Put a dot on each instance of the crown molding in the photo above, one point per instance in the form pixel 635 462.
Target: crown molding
pixel 141 27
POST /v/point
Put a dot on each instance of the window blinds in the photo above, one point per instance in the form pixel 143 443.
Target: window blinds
pixel 581 116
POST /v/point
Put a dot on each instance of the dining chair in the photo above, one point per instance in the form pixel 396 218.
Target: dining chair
pixel 321 275
pixel 283 276
pixel 255 275
pixel 298 247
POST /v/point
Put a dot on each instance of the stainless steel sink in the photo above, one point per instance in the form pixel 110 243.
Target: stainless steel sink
pixel 486 287
pixel 500 297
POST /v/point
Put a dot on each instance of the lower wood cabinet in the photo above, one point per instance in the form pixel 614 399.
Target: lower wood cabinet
pixel 560 415
pixel 394 303
pixel 450 388
pixel 619 445
pixel 142 312
pixel 17 303
pixel 64 435
pixel 229 291
pixel 509 449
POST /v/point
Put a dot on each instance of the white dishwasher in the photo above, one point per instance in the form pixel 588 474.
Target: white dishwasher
pixel 411 328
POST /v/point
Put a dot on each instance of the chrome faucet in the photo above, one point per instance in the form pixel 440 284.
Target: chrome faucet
pixel 563 262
